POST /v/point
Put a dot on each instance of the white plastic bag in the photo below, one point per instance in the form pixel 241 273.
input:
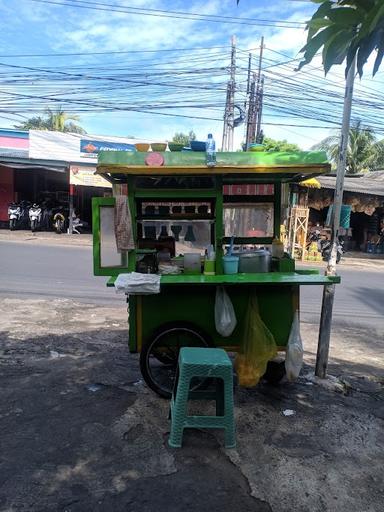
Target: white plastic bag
pixel 294 353
pixel 225 318
pixel 135 283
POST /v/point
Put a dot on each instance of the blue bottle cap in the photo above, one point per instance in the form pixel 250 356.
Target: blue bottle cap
pixel 210 136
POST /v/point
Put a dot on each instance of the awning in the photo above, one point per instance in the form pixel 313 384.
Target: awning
pixel 311 183
pixel 371 183
pixel 31 164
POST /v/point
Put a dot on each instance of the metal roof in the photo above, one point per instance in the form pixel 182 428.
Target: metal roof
pixel 371 183
pixel 14 153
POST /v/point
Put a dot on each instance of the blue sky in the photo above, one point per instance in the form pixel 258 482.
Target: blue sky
pixel 33 27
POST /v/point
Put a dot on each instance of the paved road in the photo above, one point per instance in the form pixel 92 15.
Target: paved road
pixel 64 271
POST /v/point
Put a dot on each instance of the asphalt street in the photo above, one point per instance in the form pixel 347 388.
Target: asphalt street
pixel 44 271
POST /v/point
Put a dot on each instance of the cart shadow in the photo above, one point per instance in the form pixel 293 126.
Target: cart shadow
pixel 82 432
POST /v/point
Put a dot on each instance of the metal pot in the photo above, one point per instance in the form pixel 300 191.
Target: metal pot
pixel 255 262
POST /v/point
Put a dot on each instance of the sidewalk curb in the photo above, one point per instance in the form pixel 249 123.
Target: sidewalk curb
pixel 46 238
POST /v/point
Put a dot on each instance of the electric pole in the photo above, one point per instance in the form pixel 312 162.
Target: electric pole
pixel 255 103
pixel 259 112
pixel 251 117
pixel 229 114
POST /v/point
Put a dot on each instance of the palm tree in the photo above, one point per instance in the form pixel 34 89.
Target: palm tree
pixel 364 153
pixel 33 123
pixel 58 121
pixel 55 120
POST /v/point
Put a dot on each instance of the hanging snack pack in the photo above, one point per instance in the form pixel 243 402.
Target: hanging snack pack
pixel 225 318
pixel 294 354
pixel 258 347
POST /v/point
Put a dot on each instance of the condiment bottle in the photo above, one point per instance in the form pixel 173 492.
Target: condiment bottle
pixel 277 248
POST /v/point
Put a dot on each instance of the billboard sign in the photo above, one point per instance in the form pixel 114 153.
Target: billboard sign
pixel 90 148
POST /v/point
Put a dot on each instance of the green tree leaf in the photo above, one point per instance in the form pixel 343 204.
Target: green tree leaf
pixel 279 145
pixel 367 46
pixel 344 16
pixel 314 44
pixel 334 20
pixel 380 55
pixel 335 50
pixel 315 25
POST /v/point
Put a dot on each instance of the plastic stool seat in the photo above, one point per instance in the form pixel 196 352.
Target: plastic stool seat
pixel 209 363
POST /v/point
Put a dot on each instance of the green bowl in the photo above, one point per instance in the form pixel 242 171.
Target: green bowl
pixel 175 146
pixel 158 146
pixel 256 147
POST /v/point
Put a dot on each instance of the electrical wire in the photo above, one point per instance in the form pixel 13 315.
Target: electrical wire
pixel 174 14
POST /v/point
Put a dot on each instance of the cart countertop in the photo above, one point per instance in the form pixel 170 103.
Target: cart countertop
pixel 305 277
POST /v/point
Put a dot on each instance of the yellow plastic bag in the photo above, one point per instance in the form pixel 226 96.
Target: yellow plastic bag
pixel 258 347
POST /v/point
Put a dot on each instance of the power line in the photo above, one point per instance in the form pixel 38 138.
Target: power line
pixel 110 52
pixel 174 14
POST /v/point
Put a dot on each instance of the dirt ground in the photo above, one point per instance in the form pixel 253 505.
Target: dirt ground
pixel 80 431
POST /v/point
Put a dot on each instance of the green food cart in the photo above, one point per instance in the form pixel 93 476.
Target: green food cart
pixel 178 205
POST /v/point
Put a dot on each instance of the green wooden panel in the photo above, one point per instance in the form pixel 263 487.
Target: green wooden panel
pixel 270 278
pixel 219 224
pixel 277 211
pixel 98 270
pixel 192 304
pixel 132 331
pixel 194 158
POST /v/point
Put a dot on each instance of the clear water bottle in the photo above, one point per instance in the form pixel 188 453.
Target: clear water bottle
pixel 210 151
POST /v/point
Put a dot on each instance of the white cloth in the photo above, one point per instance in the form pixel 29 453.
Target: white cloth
pixel 135 283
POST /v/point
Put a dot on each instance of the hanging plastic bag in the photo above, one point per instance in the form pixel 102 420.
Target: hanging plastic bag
pixel 294 353
pixel 258 347
pixel 225 318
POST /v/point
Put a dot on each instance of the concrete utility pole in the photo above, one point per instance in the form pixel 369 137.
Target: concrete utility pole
pixel 255 103
pixel 251 114
pixel 329 290
pixel 229 114
pixel 259 111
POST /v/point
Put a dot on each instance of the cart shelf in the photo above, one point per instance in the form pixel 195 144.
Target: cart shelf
pixel 268 278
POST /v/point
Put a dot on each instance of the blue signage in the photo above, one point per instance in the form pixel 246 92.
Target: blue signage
pixel 92 147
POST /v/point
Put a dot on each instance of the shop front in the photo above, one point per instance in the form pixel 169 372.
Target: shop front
pixel 362 212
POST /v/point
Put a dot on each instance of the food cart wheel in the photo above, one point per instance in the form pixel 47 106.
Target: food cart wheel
pixel 159 355
pixel 275 372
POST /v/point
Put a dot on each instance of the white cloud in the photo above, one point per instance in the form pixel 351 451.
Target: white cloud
pixel 82 30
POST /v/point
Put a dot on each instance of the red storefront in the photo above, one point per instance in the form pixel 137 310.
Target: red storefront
pixel 14 145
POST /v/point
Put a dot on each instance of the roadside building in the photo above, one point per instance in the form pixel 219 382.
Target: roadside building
pixel 363 199
pixel 54 168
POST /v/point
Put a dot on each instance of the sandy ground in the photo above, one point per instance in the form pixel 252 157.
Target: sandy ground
pixel 80 431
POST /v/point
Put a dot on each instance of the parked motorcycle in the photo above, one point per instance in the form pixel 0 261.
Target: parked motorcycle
pixel 24 215
pixel 59 221
pixel 34 217
pixel 326 248
pixel 14 214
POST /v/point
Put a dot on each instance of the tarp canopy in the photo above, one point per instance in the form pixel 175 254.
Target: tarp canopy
pixel 371 183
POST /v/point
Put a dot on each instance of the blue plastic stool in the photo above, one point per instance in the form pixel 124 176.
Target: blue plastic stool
pixel 200 363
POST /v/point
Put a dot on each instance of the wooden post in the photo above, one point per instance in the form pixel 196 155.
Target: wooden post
pixel 325 331
pixel 341 163
pixel 70 223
